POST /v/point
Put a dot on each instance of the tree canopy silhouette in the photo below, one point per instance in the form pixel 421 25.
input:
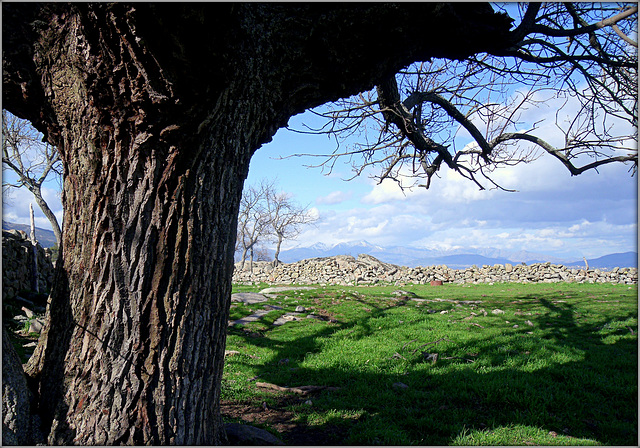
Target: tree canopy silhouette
pixel 579 54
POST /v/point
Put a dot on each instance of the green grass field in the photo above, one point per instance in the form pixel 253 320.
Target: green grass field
pixel 557 364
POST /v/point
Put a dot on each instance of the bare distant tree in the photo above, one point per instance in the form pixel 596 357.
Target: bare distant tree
pixel 286 218
pixel 580 55
pixel 32 161
pixel 268 214
pixel 253 220
pixel 261 254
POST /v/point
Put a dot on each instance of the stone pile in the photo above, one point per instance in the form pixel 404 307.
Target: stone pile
pixel 17 256
pixel 367 270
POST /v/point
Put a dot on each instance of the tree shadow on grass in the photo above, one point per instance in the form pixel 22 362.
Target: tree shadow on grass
pixel 516 379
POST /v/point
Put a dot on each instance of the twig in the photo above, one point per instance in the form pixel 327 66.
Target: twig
pixel 434 342
pixel 458 357
pixel 300 390
pixel 413 340
pixel 477 325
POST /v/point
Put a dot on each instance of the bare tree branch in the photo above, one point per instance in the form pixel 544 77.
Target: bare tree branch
pixel 623 36
pixel 413 123
pixel 561 155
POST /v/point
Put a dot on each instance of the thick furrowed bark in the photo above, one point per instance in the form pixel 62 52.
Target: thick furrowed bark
pixel 146 314
pixel 134 351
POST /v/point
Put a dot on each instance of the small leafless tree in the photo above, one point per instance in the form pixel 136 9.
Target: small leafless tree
pixel 268 214
pixel 467 114
pixel 261 254
pixel 32 161
pixel 286 218
pixel 253 220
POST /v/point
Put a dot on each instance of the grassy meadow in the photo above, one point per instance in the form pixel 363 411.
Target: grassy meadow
pixel 502 364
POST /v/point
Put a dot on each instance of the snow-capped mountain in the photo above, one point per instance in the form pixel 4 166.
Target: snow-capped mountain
pixel 457 259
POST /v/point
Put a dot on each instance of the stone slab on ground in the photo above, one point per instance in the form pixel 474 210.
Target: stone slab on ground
pixel 248 297
pixel 275 289
pixel 272 307
pixel 252 318
pixel 287 318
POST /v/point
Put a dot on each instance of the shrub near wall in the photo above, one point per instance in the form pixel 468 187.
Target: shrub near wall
pixel 17 256
pixel 347 270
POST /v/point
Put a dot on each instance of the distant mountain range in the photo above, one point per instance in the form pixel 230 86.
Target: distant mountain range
pixel 407 256
pixel 46 238
pixel 626 259
pixel 455 259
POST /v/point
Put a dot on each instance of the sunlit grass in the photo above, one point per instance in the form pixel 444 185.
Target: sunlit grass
pixel 556 365
pixel 517 435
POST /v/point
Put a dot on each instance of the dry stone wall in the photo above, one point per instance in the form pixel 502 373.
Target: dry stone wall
pixel 367 270
pixel 17 256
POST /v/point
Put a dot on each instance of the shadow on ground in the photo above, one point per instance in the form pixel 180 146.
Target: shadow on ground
pixel 580 399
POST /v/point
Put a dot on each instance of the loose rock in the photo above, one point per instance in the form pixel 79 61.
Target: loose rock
pixel 252 318
pixel 36 326
pixel 238 434
pixel 286 318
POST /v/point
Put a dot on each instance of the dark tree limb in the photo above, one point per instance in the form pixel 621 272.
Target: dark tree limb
pixel 561 155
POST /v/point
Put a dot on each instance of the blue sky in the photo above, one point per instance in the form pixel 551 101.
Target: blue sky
pixel 552 213
pixel 590 215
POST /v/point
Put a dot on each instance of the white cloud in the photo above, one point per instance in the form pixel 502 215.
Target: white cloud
pixel 314 213
pixel 512 221
pixel 333 198
pixel 455 188
pixel 577 227
pixel 385 192
pixel 384 225
pixel 450 187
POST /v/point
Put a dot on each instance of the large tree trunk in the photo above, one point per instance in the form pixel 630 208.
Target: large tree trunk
pixel 134 353
pixel 156 111
pixel 134 350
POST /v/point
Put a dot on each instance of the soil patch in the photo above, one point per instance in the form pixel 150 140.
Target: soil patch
pixel 281 420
